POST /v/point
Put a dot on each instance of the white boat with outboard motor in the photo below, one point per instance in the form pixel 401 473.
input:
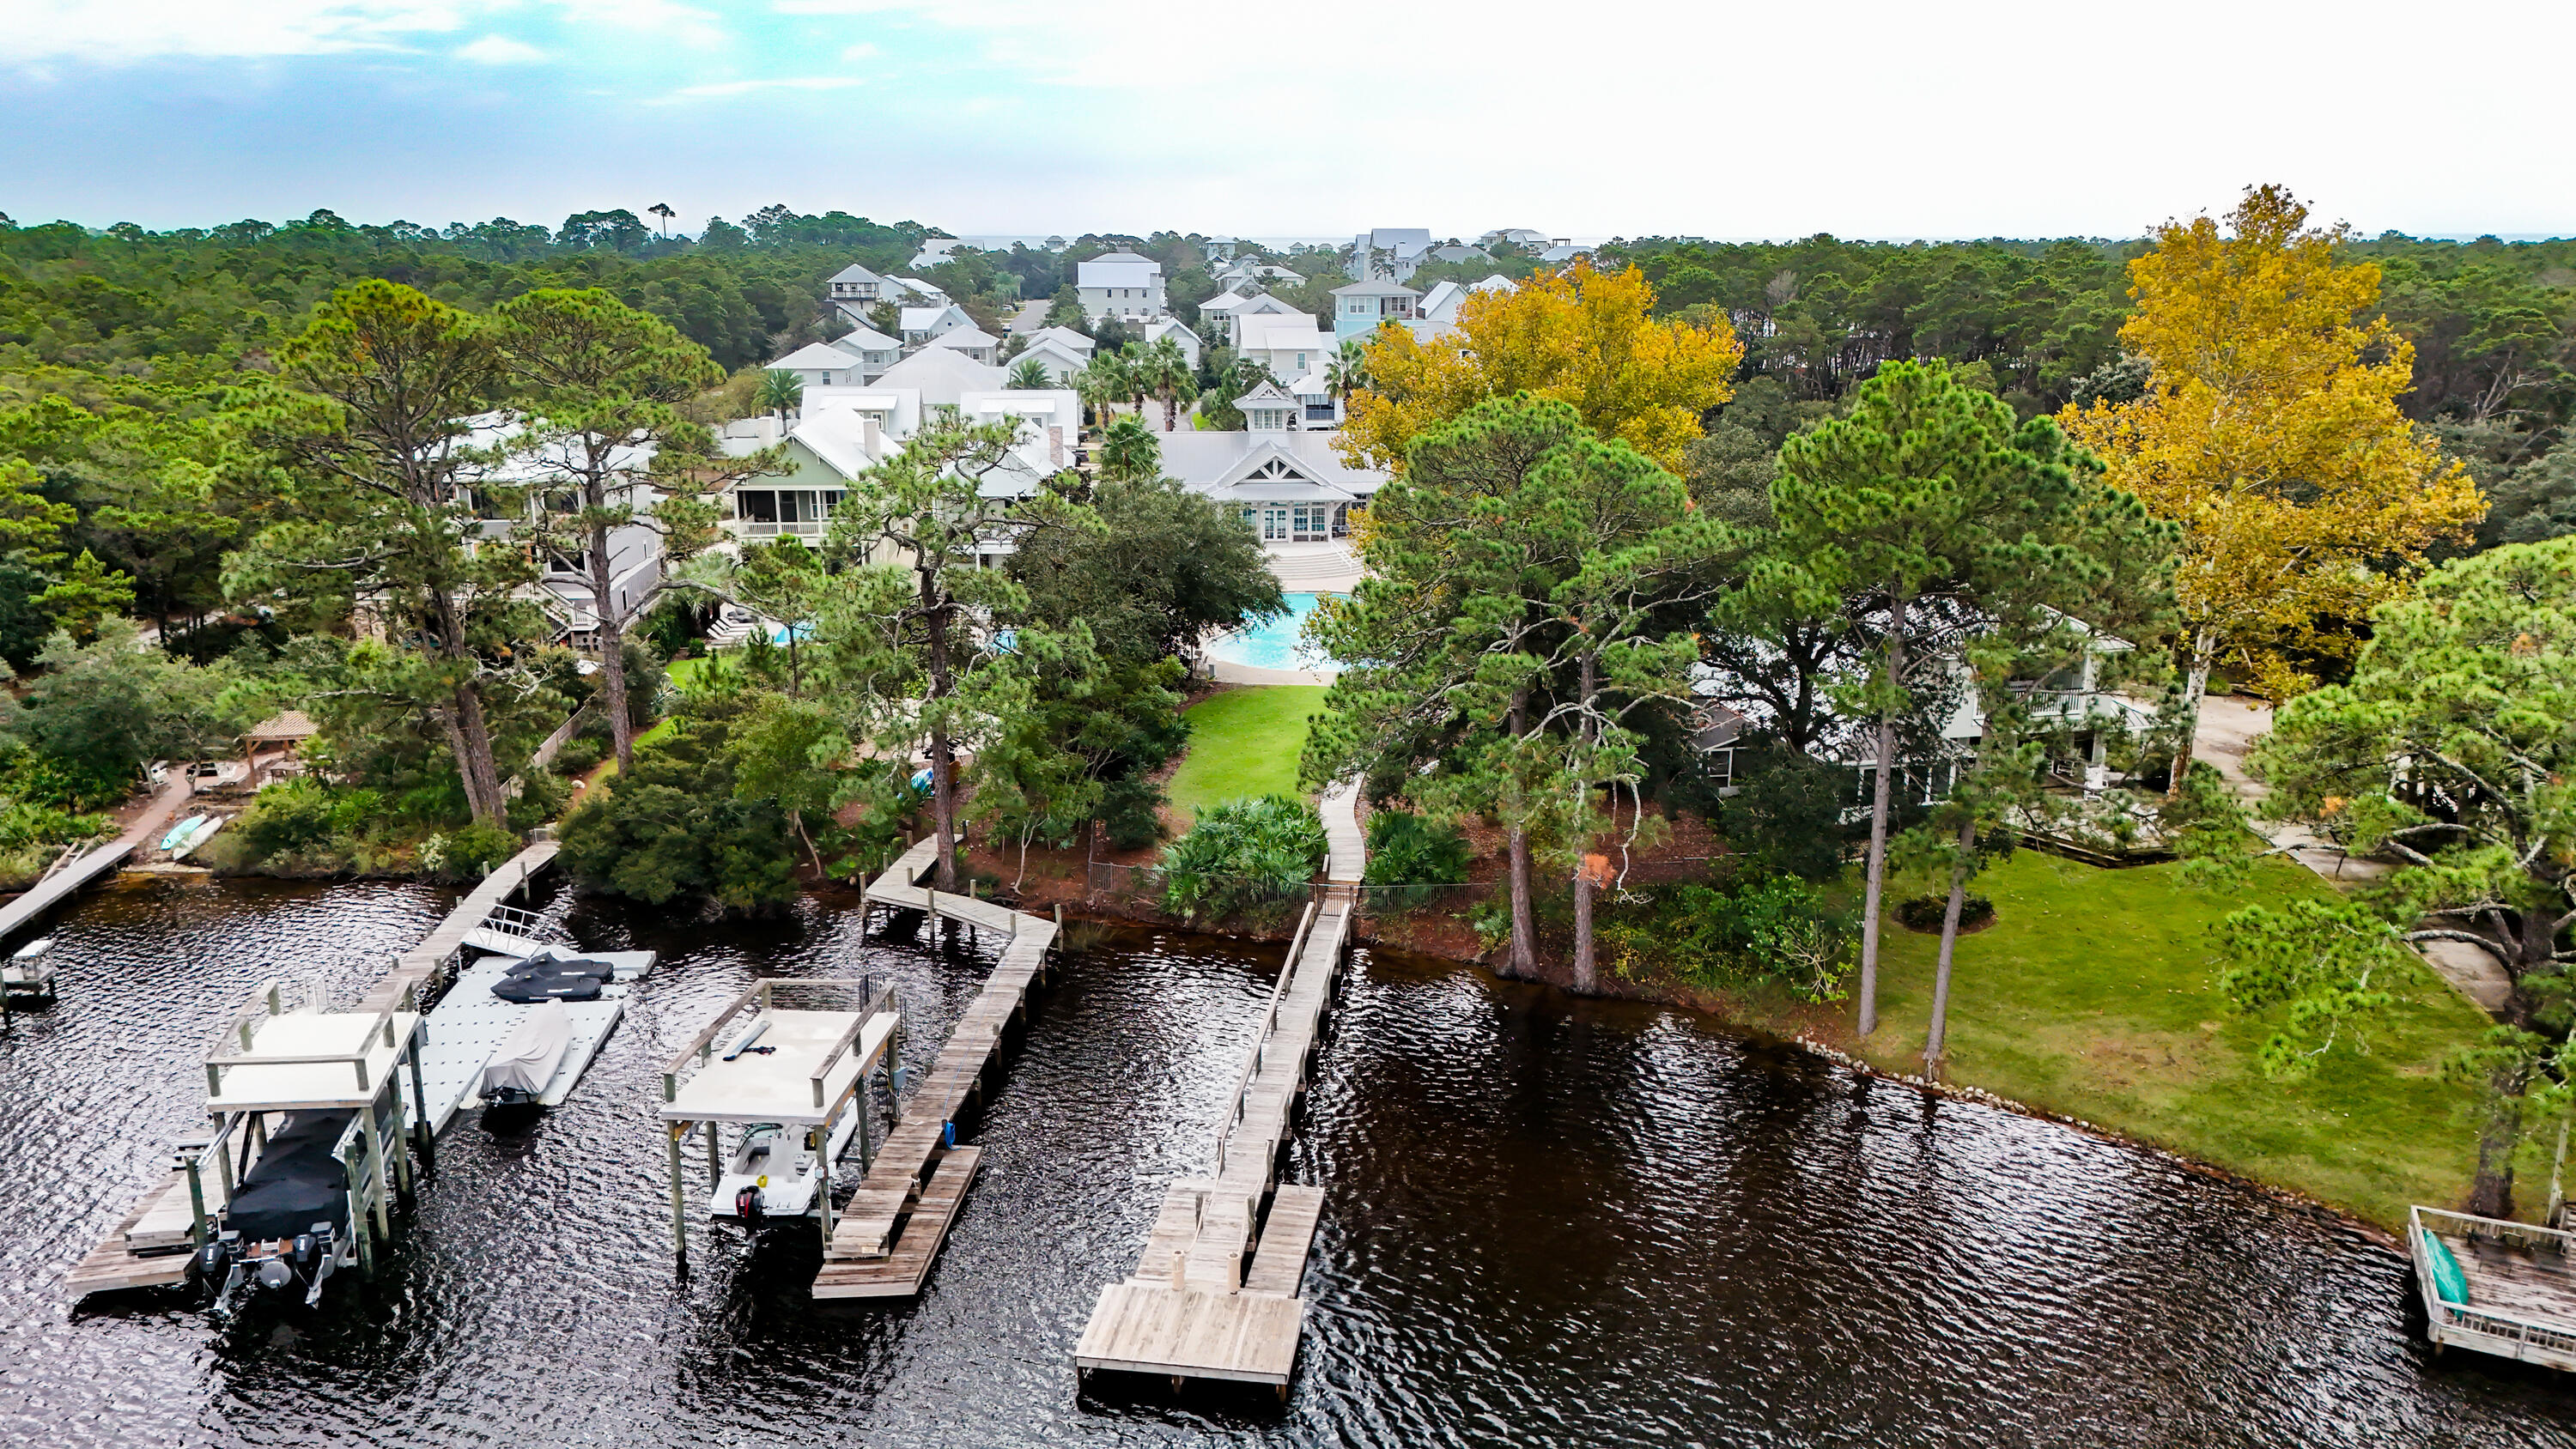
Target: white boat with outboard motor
pixel 799 1085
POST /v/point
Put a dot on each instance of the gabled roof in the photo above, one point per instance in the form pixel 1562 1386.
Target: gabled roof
pixel 1165 327
pixel 964 337
pixel 1375 289
pixel 1258 465
pixel 1442 294
pixel 1064 337
pixel 1271 331
pixel 1050 347
pixel 1495 283
pixel 917 287
pixel 1127 270
pixel 942 375
pixel 1393 236
pixel 1123 255
pixel 818 356
pixel 922 319
pixel 855 273
pixel 867 339
pixel 1267 392
pixel 837 436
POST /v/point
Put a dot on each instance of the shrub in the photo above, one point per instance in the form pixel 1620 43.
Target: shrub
pixel 1924 913
pixel 469 854
pixel 1775 928
pixel 1243 855
pixel 1130 811
pixel 678 826
pixel 1414 850
pixel 306 817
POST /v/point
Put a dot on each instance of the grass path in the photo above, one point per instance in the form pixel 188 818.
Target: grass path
pixel 1243 742
pixel 2094 994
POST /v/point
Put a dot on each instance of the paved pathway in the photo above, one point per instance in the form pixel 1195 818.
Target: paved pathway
pixel 1348 843
pixel 2228 728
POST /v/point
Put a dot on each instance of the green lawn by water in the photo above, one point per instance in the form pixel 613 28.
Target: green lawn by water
pixel 1243 742
pixel 2094 995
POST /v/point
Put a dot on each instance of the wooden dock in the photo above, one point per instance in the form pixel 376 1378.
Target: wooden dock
pixel 45 894
pixel 2517 1285
pixel 892 1230
pixel 1192 1309
pixel 148 1248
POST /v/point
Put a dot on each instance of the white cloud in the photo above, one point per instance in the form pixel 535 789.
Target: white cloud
pixel 773 83
pixel 113 31
pixel 858 52
pixel 500 50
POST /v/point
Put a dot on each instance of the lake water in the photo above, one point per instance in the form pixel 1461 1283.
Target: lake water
pixel 1549 1222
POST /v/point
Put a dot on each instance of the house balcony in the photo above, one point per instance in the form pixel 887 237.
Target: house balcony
pixel 800 528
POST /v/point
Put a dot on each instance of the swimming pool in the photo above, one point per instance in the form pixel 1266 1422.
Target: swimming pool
pixel 1273 644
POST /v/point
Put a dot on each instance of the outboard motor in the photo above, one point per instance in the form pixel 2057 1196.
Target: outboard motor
pixel 211 1262
pixel 307 1248
pixel 276 1275
pixel 746 1205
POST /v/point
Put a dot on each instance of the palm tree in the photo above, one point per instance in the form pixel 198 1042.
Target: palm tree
pixel 1128 451
pixel 1347 373
pixel 1165 371
pixel 1030 373
pixel 663 210
pixel 780 391
pixel 1101 386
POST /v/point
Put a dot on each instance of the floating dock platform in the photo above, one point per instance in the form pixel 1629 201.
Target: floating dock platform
pixel 1193 1309
pixel 470 1023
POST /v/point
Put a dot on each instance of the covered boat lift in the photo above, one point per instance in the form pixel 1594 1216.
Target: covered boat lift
pixel 282 1070
pixel 799 1068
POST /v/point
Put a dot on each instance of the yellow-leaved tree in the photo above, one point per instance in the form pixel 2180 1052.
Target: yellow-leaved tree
pixel 1585 337
pixel 2269 429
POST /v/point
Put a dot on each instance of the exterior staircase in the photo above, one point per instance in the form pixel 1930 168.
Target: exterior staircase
pixel 1299 567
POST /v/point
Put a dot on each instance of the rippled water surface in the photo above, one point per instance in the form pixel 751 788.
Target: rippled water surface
pixel 1549 1223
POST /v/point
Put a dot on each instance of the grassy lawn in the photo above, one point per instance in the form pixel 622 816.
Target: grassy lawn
pixel 2093 995
pixel 1243 742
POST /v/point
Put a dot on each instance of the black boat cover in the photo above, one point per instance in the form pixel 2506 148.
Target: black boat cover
pixel 548 976
pixel 296 1182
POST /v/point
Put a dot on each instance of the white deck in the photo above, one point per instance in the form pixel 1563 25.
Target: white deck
pixel 470 1024
pixel 778 1086
pixel 286 1086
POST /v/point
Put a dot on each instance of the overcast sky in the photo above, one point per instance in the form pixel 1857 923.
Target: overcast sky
pixel 1318 117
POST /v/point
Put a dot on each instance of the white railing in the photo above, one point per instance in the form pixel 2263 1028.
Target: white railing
pixel 755 529
pixel 2490 1330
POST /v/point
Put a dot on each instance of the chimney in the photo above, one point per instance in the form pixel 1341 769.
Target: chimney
pixel 870 435
pixel 1055 446
pixel 768 433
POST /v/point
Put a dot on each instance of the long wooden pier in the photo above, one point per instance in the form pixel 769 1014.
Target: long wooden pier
pixel 899 1217
pixel 1192 1309
pixel 45 894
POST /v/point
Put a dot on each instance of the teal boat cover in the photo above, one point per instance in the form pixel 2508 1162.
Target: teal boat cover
pixel 2448 1280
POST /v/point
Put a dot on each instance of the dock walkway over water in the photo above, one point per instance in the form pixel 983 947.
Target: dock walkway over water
pixel 899 1217
pixel 1214 1295
pixel 149 1248
pixel 70 876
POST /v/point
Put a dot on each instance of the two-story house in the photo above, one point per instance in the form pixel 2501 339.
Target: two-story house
pixel 1291 485
pixel 847 361
pixel 1392 253
pixel 922 326
pixel 1121 285
pixel 1361 306
pixel 1060 350
pixel 1289 344
pixel 1217 314
pixel 974 342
